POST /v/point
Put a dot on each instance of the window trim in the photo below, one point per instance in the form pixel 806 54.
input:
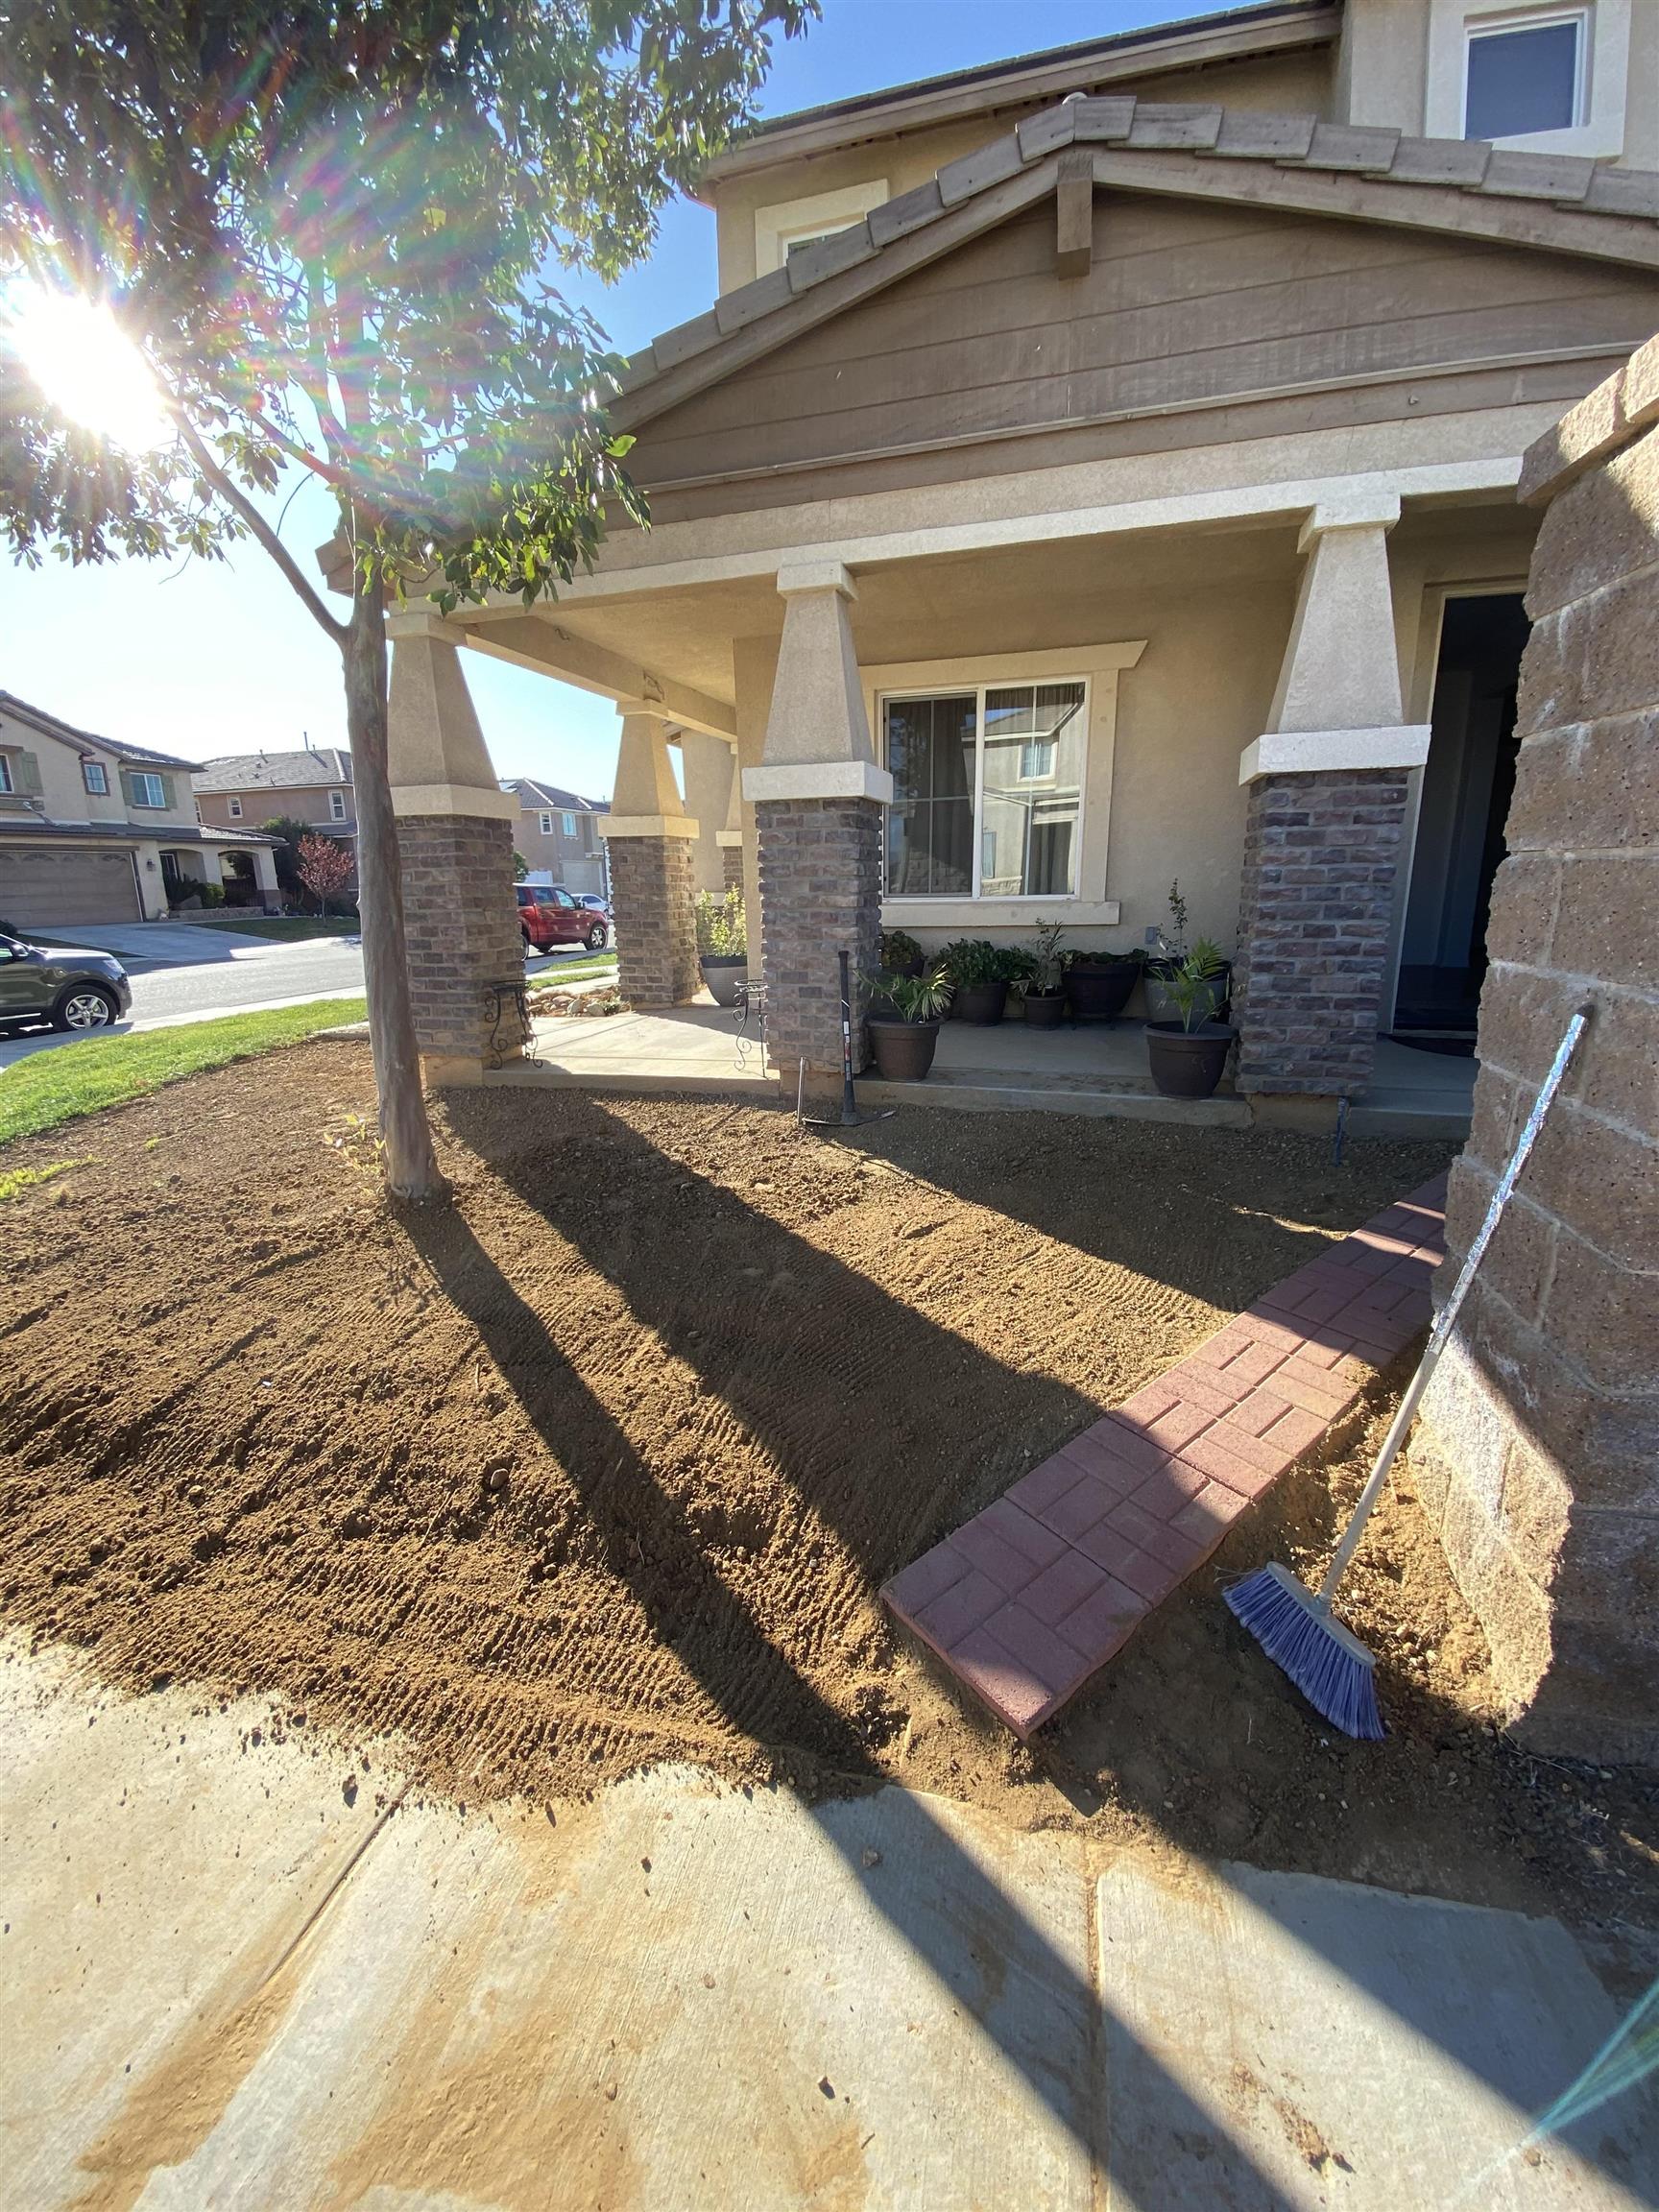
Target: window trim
pixel 142 779
pixel 234 808
pixel 336 805
pixel 1605 68
pixel 792 222
pixel 566 824
pixel 90 768
pixel 1505 24
pixel 7 780
pixel 544 824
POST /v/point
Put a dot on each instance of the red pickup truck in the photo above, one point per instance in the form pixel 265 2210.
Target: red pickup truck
pixel 552 917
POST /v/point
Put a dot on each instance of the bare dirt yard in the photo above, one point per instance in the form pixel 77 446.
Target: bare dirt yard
pixel 605 1462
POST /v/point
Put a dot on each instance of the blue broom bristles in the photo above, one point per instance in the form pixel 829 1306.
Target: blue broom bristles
pixel 1332 1668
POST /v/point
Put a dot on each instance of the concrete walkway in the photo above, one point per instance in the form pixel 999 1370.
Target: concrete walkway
pixel 239 1973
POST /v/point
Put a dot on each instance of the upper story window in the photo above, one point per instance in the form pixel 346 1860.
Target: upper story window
pixel 337 805
pixel 234 808
pixel 6 782
pixel 147 790
pixel 794 224
pixel 1524 76
pixel 567 823
pixel 96 777
pixel 544 823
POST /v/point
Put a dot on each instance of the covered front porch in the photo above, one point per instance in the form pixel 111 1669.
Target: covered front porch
pixel 963 732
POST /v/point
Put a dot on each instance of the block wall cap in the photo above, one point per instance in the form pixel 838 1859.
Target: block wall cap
pixel 818 779
pixel 1318 751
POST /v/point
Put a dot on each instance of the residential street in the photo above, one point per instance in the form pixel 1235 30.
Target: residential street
pixel 181 973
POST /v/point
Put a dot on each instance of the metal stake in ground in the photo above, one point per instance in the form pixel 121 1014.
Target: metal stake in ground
pixel 1293 1626
pixel 851 1118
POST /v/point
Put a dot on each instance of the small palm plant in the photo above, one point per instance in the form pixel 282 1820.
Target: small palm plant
pixel 918 997
pixel 1191 983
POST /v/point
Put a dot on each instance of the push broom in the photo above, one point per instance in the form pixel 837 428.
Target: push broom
pixel 1295 1624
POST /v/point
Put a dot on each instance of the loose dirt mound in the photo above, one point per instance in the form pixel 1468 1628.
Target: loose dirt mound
pixel 606 1462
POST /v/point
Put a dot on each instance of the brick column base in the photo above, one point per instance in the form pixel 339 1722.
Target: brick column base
pixel 1321 854
pixel 820 892
pixel 731 867
pixel 462 924
pixel 651 895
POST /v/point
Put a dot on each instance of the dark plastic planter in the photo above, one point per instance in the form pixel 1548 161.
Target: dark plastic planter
pixel 1187 1063
pixel 981 1002
pixel 723 972
pixel 1044 1009
pixel 1099 989
pixel 1160 1007
pixel 903 1050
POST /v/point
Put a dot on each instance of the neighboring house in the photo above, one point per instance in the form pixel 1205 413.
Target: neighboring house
pixel 559 835
pixel 314 787
pixel 1099 469
pixel 92 831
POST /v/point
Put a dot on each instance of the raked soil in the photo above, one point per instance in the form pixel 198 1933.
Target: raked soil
pixel 604 1462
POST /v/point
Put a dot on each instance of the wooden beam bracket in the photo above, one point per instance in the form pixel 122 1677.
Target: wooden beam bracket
pixel 1074 213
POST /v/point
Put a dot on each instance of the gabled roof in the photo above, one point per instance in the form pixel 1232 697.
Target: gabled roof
pixel 1025 80
pixel 532 794
pixel 50 726
pixel 1552 203
pixel 274 771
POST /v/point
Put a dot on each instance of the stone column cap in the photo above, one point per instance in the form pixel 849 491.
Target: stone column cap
pixel 788 779
pixel 729 840
pixel 468 799
pixel 816 576
pixel 1315 752
pixel 647 826
pixel 1359 509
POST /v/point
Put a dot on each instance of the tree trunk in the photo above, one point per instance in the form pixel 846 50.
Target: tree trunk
pixel 411 1165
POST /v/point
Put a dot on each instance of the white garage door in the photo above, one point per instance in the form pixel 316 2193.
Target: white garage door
pixel 68 884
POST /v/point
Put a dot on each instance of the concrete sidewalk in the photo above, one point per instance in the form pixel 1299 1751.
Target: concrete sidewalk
pixel 240 1972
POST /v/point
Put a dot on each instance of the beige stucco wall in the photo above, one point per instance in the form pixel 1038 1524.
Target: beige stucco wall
pixel 66 794
pixel 310 804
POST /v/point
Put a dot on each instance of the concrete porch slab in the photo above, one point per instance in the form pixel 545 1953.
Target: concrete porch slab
pixel 694 1050
pixel 1352 2047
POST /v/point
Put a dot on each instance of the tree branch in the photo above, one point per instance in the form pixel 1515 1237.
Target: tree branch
pixel 239 502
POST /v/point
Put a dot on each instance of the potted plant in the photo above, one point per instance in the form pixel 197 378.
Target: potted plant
pixel 721 944
pixel 1187 1055
pixel 1098 984
pixel 1045 995
pixel 900 956
pixel 906 1039
pixel 979 973
pixel 1167 961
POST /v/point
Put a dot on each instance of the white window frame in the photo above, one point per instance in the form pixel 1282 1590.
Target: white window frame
pixel 89 769
pixel 336 805
pixel 793 222
pixel 8 782
pixel 1531 19
pixel 1603 71
pixel 234 808
pixel 568 825
pixel 1098 668
pixel 544 824
pixel 145 780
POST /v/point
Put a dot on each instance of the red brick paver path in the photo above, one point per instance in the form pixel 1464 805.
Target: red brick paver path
pixel 1034 1595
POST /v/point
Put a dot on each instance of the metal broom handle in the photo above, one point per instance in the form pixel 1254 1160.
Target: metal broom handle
pixel 1446 1319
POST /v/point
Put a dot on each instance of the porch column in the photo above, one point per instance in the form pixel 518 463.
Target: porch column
pixel 819 798
pixel 265 877
pixel 455 844
pixel 729 838
pixel 650 838
pixel 708 778
pixel 1323 842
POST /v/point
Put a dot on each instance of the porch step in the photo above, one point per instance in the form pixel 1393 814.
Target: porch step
pixel 984 1095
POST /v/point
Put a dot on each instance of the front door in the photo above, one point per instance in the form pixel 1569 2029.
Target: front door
pixel 1462 807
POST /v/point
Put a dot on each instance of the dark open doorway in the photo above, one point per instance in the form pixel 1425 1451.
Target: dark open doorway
pixel 1467 785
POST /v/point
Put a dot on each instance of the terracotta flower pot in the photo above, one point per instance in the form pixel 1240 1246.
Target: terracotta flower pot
pixel 1099 989
pixel 723 973
pixel 1187 1063
pixel 903 1050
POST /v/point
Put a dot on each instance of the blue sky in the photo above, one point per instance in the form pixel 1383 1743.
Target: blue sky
pixel 220 658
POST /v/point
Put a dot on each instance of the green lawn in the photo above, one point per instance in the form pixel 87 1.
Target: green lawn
pixel 553 973
pixel 286 929
pixel 47 1088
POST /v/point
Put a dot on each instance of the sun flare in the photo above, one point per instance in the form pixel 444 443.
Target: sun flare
pixel 87 365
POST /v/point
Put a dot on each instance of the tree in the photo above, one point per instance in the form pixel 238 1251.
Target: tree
pixel 520 866
pixel 285 857
pixel 327 230
pixel 326 868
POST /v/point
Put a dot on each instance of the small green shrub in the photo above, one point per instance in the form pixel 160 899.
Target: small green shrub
pixel 722 927
pixel 898 949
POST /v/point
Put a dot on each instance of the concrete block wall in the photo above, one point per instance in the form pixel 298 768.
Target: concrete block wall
pixel 820 892
pixel 652 890
pixel 462 924
pixel 1321 856
pixel 1538 1448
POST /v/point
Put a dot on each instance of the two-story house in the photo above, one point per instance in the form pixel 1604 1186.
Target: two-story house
pixel 1099 469
pixel 94 830
pixel 559 835
pixel 311 786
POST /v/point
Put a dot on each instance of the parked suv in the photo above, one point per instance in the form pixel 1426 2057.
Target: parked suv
pixel 550 917
pixel 60 984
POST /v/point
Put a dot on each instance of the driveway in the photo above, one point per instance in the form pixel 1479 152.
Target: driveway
pixel 181 972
